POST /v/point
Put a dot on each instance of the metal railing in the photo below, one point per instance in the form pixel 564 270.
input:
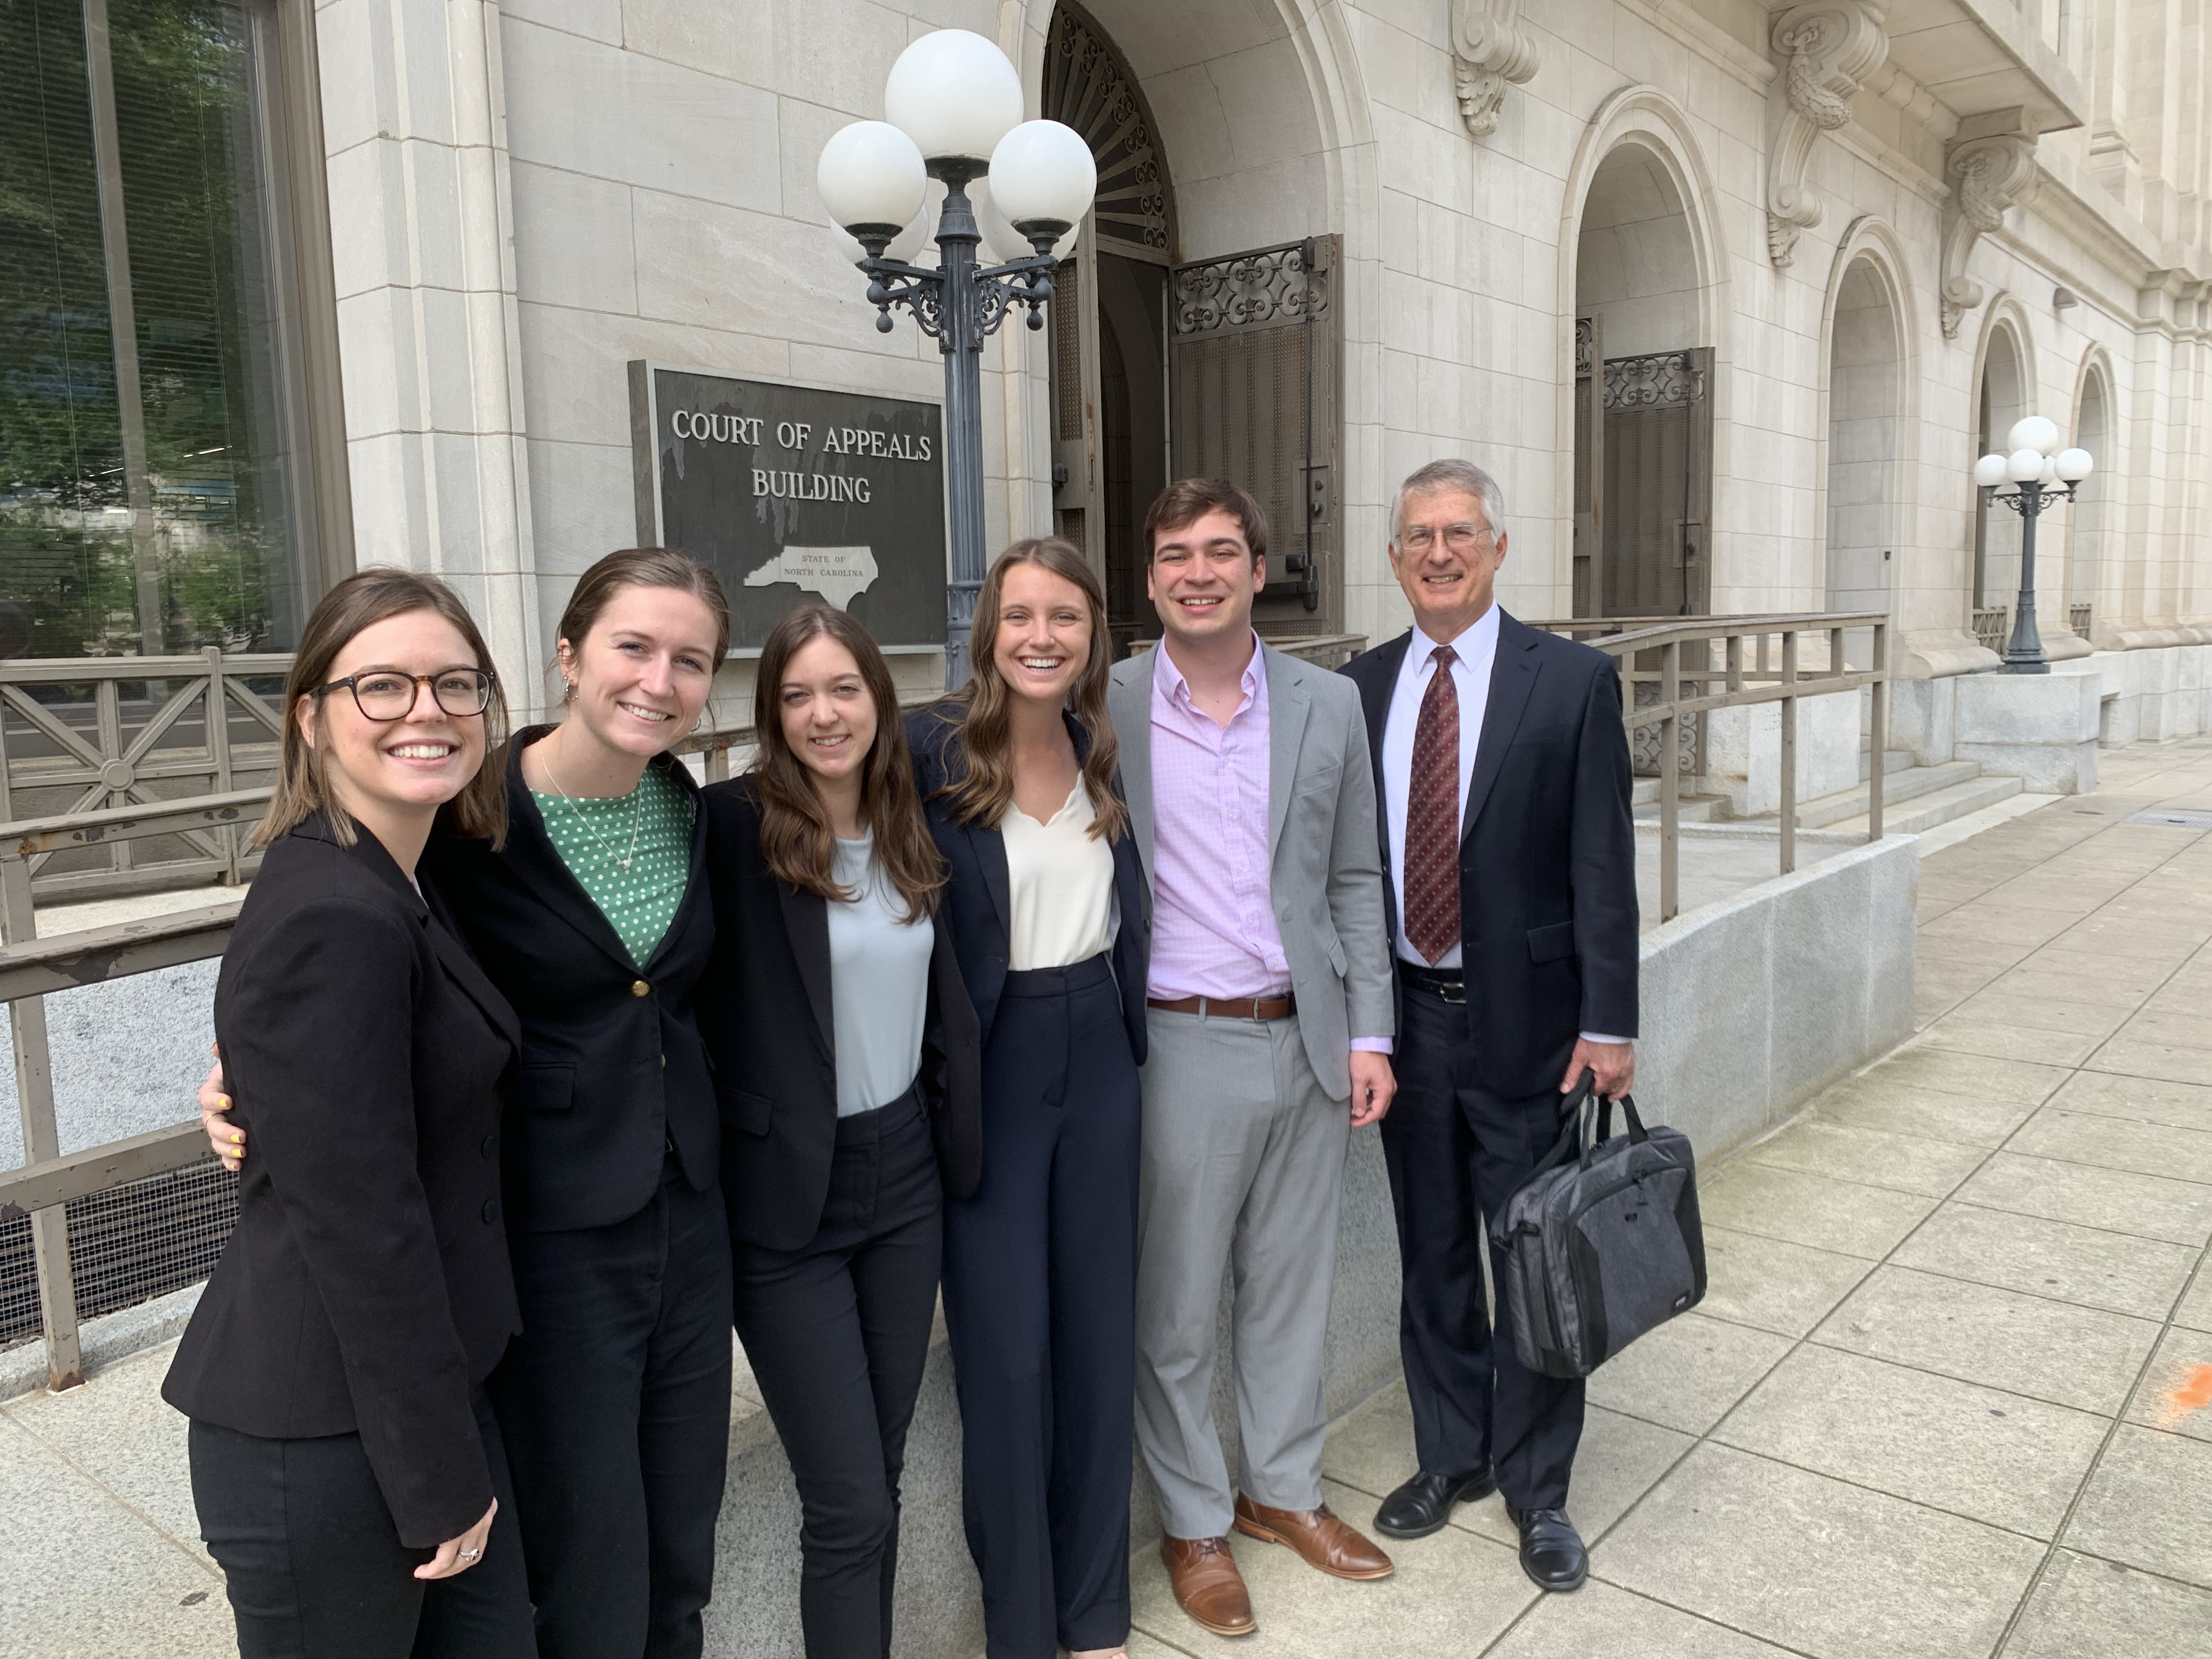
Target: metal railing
pixel 1692 666
pixel 87 734
pixel 2079 616
pixel 1992 626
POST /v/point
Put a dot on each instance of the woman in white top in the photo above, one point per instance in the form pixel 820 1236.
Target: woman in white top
pixel 846 1059
pixel 1046 905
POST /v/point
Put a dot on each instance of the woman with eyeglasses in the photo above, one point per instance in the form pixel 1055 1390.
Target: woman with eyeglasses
pixel 346 1466
pixel 593 916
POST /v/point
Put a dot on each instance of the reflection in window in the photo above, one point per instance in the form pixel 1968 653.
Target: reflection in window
pixel 152 455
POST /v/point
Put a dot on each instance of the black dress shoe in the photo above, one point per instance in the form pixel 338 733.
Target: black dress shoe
pixel 1552 1551
pixel 1424 1504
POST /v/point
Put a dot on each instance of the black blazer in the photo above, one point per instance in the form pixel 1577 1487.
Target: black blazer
pixel 1547 853
pixel 366 1286
pixel 614 1071
pixel 979 896
pixel 765 1007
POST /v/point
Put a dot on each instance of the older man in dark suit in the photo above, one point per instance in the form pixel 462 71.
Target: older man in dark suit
pixel 1502 777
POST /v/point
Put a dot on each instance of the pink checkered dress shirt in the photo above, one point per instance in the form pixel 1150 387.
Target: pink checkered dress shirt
pixel 1213 917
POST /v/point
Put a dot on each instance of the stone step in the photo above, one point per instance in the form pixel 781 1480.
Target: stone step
pixel 1894 760
pixel 1897 786
pixel 1942 807
pixel 1692 809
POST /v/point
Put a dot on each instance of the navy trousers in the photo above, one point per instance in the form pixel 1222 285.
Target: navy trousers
pixel 1040 1301
pixel 1455 1152
pixel 615 1401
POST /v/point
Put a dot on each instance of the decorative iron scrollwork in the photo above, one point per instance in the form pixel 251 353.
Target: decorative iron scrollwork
pixel 1088 88
pixel 1660 378
pixel 1585 345
pixel 1266 285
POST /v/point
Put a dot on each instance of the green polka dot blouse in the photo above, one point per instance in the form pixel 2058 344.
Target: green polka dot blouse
pixel 631 853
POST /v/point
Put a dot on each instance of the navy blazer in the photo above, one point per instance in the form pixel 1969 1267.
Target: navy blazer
pixel 978 895
pixel 614 1070
pixel 365 1287
pixel 770 1023
pixel 1546 853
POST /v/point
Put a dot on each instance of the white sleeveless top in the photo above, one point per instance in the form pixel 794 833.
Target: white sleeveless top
pixel 1060 881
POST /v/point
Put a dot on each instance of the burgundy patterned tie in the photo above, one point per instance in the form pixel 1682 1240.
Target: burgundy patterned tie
pixel 1433 818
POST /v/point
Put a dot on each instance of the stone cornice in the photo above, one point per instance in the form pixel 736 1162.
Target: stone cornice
pixel 1828 48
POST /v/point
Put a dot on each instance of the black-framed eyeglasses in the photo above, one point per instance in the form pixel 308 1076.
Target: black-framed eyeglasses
pixel 385 693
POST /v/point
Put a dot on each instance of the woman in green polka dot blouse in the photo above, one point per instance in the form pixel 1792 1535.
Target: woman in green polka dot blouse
pixel 595 921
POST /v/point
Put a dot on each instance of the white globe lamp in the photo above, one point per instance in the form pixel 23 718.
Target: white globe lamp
pixel 1042 177
pixel 1990 472
pixel 872 178
pixel 2075 464
pixel 2037 433
pixel 2025 465
pixel 955 95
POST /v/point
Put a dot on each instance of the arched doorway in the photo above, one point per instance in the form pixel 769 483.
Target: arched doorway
pixel 1196 330
pixel 1109 319
pixel 2000 400
pixel 2093 516
pixel 1643 402
pixel 1864 365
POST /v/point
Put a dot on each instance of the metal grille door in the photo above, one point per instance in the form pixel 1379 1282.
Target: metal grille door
pixel 1655 476
pixel 1252 374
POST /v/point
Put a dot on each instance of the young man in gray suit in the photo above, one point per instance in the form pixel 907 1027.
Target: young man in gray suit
pixel 1270 1016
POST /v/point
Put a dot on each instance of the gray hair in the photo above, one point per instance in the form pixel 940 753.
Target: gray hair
pixel 1451 473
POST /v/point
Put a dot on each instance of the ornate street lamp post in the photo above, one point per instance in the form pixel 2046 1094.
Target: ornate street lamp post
pixel 2042 477
pixel 955 109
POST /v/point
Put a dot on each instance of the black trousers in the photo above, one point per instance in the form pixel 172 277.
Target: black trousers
pixel 838 1332
pixel 615 1401
pixel 1455 1152
pixel 315 1566
pixel 1040 1300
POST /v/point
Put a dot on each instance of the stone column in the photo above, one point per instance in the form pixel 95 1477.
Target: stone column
pixel 415 126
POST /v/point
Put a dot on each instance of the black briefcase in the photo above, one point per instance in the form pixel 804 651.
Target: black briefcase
pixel 1603 1242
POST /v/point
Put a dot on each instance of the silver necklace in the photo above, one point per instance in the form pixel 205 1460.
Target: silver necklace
pixel 637 812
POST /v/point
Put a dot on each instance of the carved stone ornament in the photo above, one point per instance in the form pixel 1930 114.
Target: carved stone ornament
pixel 1828 48
pixel 1993 173
pixel 1490 49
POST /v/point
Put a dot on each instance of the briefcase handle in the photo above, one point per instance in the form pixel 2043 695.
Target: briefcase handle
pixel 1584 1109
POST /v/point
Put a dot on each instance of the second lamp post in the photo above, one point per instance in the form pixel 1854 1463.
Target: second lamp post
pixel 2043 473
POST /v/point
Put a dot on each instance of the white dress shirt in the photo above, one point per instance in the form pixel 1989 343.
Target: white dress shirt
pixel 1474 652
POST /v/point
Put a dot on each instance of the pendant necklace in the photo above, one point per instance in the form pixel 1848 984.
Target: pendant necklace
pixel 637 811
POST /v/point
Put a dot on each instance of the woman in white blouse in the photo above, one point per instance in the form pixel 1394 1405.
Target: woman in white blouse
pixel 1046 905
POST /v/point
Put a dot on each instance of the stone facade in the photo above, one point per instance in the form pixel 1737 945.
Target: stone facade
pixel 1877 223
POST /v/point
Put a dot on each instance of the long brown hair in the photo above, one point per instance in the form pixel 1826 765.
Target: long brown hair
pixel 643 567
pixel 362 600
pixel 982 707
pixel 796 836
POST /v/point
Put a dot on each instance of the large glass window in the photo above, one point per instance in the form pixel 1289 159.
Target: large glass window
pixel 155 491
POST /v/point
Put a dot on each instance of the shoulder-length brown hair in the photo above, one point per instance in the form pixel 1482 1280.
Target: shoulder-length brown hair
pixel 796 836
pixel 981 793
pixel 362 600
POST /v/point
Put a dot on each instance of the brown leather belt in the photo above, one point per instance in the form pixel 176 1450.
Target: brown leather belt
pixel 1281 1007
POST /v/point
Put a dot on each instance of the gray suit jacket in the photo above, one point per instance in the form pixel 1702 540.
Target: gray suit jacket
pixel 1325 871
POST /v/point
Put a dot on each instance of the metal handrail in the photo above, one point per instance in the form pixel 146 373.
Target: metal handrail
pixel 1779 677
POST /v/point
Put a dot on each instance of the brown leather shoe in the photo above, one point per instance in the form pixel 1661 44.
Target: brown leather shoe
pixel 1316 1534
pixel 1207 1585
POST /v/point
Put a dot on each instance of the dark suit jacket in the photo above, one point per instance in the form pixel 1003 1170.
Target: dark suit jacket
pixel 765 1007
pixel 1547 853
pixel 978 895
pixel 366 1286
pixel 612 1075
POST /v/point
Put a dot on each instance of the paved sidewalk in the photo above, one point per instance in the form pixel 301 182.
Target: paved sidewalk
pixel 1950 1396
